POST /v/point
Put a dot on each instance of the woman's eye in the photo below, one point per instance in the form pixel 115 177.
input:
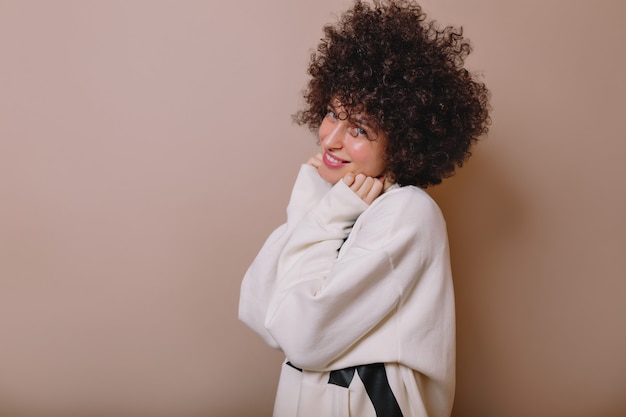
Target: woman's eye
pixel 356 132
pixel 332 114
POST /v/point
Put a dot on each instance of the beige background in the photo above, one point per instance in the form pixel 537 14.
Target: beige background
pixel 146 151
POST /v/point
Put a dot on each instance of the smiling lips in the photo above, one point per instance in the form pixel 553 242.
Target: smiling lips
pixel 332 161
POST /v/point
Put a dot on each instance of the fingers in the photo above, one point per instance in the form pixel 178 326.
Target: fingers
pixel 349 179
pixel 367 188
pixel 387 183
pixel 375 190
pixel 315 161
pixel 359 180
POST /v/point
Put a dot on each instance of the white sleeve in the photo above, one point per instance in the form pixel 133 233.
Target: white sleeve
pixel 259 282
pixel 323 305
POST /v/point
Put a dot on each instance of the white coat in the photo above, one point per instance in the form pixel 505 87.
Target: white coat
pixel 343 284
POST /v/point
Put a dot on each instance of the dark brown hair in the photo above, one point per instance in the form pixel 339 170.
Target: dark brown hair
pixel 407 74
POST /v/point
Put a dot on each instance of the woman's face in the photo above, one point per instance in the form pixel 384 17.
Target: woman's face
pixel 350 144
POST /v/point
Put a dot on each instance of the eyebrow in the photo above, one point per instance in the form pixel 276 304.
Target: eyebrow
pixel 366 122
pixel 362 120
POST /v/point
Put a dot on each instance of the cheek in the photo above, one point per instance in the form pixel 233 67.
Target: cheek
pixel 365 153
pixel 369 157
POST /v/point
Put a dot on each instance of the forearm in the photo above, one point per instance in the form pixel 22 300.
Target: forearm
pixel 260 281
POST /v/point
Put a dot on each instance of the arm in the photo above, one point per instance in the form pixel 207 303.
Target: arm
pixel 259 281
pixel 324 306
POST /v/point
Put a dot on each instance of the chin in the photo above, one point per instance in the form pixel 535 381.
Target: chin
pixel 330 177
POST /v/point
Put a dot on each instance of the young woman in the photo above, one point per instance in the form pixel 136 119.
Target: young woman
pixel 355 288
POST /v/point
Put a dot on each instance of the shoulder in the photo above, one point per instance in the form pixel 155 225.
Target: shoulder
pixel 410 203
pixel 403 216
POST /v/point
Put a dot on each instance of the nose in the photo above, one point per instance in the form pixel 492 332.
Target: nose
pixel 335 136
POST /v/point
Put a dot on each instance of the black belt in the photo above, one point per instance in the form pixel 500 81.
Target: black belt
pixel 374 378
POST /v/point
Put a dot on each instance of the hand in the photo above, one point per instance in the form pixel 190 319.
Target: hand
pixel 367 188
pixel 315 161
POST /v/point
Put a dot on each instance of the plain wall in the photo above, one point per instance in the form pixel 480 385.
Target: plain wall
pixel 146 151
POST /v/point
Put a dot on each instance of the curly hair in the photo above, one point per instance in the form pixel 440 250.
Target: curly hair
pixel 406 73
